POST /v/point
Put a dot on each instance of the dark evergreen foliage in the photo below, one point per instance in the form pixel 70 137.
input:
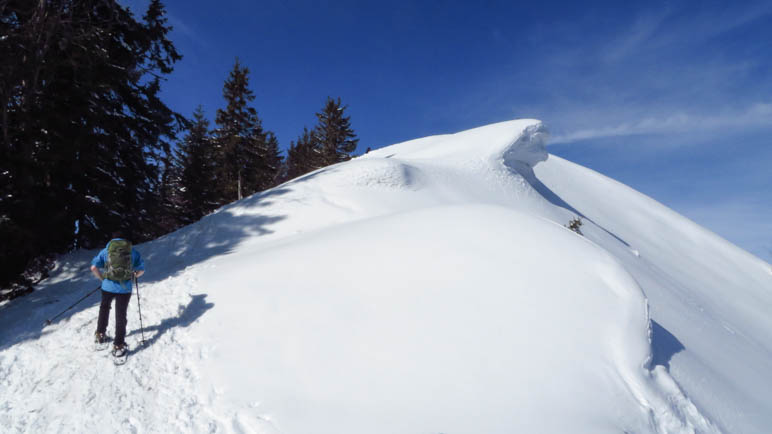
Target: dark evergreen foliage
pixel 84 133
pixel 170 206
pixel 248 157
pixel 85 139
pixel 333 135
pixel 271 162
pixel 303 156
pixel 193 195
pixel 331 141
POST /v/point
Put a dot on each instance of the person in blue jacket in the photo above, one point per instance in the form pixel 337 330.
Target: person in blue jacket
pixel 118 290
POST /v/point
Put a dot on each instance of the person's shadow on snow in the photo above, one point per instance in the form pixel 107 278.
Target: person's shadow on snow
pixel 186 315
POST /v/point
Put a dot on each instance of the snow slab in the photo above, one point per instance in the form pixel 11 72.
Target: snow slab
pixel 430 286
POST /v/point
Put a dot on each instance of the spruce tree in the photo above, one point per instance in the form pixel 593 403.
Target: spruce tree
pixel 333 134
pixel 248 156
pixel 238 130
pixel 84 132
pixel 303 156
pixel 172 211
pixel 271 162
pixel 194 162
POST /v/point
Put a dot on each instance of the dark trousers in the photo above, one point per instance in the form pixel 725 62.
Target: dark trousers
pixel 121 306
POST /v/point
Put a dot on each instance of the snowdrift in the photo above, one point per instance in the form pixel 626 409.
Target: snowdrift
pixel 429 286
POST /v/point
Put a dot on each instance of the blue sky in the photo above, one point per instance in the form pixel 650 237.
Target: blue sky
pixel 671 98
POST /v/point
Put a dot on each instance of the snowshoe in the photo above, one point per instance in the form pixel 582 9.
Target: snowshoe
pixel 120 354
pixel 101 341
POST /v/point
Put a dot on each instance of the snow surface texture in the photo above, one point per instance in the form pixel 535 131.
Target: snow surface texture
pixel 427 287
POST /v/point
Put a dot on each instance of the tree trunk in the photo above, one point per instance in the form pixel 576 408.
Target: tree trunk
pixel 239 185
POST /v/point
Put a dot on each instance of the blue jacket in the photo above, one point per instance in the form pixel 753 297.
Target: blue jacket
pixel 108 285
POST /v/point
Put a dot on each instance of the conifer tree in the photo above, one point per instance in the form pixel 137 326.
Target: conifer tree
pixel 171 213
pixel 303 156
pixel 333 134
pixel 271 162
pixel 245 150
pixel 194 163
pixel 83 130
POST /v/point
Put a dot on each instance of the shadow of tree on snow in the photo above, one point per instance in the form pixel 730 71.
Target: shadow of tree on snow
pixel 216 234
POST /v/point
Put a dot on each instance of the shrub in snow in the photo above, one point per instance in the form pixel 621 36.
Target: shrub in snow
pixel 574 225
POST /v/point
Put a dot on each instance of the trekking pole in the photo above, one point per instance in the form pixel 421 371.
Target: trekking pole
pixel 139 306
pixel 49 321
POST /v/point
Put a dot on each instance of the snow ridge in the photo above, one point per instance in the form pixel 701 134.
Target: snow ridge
pixel 429 286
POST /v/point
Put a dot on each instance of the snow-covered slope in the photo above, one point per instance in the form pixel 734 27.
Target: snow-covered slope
pixel 430 286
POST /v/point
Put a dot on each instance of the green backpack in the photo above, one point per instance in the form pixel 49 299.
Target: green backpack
pixel 119 265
